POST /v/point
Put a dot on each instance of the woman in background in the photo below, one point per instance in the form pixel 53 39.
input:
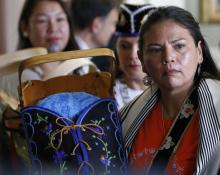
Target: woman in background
pixel 45 23
pixel 129 82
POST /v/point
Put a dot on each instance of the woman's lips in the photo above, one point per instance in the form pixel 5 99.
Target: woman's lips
pixel 134 65
pixel 171 72
pixel 52 40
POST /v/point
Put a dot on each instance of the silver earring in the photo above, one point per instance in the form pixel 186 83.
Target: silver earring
pixel 25 34
pixel 164 62
pixel 148 80
pixel 198 69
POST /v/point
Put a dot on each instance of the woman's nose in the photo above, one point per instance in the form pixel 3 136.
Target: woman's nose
pixel 52 26
pixel 134 52
pixel 169 55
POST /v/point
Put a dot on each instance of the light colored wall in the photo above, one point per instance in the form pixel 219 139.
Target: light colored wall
pixel 2 28
pixel 12 9
pixel 180 3
pixel 9 15
pixel 210 30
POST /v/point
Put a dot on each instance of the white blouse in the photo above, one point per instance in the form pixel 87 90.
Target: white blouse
pixel 123 93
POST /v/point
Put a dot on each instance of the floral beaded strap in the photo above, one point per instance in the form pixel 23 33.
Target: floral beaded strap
pixel 173 137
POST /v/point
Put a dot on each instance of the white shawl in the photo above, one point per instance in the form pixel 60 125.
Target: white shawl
pixel 209 111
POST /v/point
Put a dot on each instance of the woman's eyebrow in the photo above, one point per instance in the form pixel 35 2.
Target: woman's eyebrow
pixel 152 44
pixel 177 40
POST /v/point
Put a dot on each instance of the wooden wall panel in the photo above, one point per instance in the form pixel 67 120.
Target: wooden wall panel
pixel 9 15
pixel 2 27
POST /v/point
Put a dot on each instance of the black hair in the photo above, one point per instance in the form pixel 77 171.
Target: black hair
pixel 85 11
pixel 26 13
pixel 185 19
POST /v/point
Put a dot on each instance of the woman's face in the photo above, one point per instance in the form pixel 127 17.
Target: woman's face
pixel 170 55
pixel 48 26
pixel 128 59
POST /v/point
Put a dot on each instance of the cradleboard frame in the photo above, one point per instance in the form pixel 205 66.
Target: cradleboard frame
pixel 62 56
pixel 94 137
pixel 9 64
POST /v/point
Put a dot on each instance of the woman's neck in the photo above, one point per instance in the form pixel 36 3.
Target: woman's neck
pixel 172 101
pixel 134 83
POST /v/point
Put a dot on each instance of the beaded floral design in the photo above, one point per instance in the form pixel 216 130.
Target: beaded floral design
pixel 87 136
pixel 59 158
pixel 106 157
pixel 168 143
pixel 187 110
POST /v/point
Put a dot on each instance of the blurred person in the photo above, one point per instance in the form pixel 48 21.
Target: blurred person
pixel 11 163
pixel 45 23
pixel 42 23
pixel 94 23
pixel 129 81
pixel 173 127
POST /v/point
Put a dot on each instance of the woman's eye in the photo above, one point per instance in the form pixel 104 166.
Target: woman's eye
pixel 153 50
pixel 41 20
pixel 179 46
pixel 125 46
pixel 60 19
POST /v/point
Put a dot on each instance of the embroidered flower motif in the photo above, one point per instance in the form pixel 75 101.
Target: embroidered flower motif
pixel 187 110
pixel 168 143
pixel 177 169
pixel 59 157
pixel 152 151
pixel 108 128
pixel 149 151
pixel 105 160
pixel 141 154
pixel 48 129
pixel 41 119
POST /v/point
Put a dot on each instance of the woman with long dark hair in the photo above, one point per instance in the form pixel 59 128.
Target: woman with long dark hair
pixel 173 127
pixel 45 23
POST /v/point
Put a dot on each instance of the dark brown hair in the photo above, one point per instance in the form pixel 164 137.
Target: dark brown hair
pixel 85 11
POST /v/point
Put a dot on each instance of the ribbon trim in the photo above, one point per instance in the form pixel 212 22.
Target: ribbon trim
pixel 66 128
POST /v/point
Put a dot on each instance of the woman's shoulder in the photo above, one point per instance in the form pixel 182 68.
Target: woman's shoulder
pixel 213 82
pixel 143 99
pixel 209 95
pixel 212 85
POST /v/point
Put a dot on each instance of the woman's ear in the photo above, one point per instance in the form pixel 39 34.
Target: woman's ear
pixel 24 29
pixel 199 51
pixel 96 25
pixel 140 56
